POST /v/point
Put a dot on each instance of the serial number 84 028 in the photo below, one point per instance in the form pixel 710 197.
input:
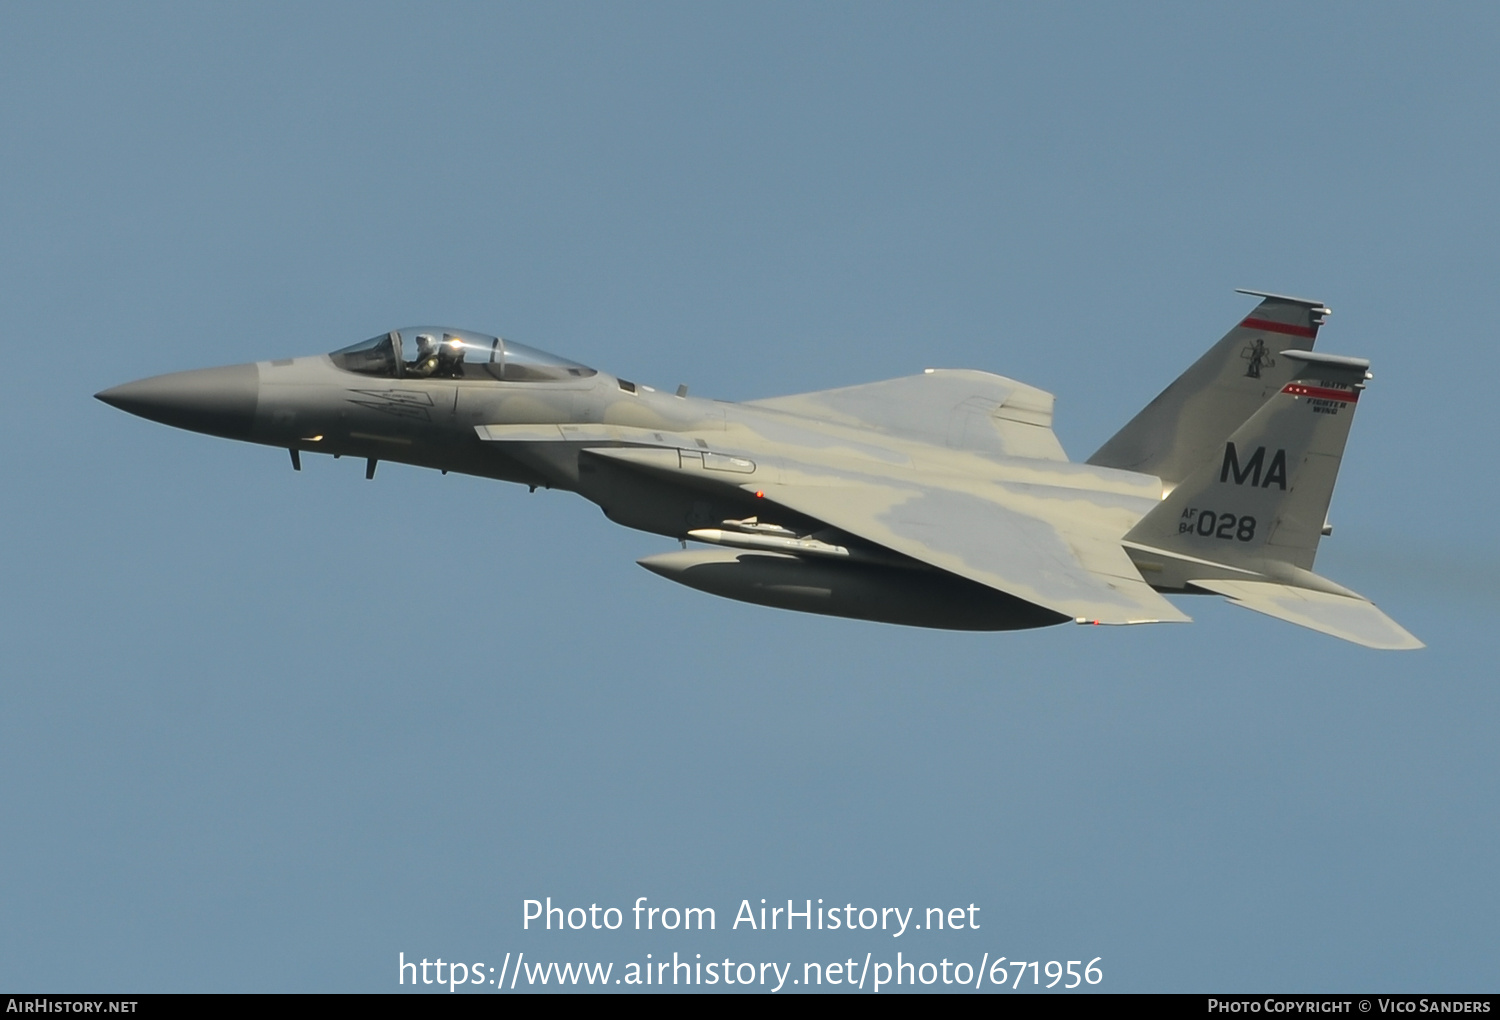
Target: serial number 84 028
pixel 1228 526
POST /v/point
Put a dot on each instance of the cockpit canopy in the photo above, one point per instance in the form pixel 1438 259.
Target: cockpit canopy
pixel 435 352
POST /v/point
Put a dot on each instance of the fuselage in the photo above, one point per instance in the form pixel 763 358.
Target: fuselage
pixel 694 464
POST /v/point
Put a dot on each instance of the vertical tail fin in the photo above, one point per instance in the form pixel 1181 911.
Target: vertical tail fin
pixel 1174 433
pixel 1246 522
pixel 1261 500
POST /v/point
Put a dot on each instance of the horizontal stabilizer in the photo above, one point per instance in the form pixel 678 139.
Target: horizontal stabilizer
pixel 1353 619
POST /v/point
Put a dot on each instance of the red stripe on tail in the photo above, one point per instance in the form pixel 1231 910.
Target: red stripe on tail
pixel 1321 393
pixel 1267 326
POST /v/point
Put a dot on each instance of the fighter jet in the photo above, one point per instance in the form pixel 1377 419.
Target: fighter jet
pixel 937 500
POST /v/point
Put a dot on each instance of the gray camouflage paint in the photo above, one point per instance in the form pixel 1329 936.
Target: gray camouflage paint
pixel 940 500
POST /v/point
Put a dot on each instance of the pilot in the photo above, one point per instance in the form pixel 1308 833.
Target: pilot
pixel 450 358
pixel 427 357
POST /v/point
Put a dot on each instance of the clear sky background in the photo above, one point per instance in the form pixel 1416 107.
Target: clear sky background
pixel 263 731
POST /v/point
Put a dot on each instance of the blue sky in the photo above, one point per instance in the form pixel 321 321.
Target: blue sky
pixel 259 732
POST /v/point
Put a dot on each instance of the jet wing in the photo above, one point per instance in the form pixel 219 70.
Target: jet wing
pixel 1064 564
pixel 1047 547
pixel 960 409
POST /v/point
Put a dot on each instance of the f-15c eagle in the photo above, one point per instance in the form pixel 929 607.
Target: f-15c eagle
pixel 937 500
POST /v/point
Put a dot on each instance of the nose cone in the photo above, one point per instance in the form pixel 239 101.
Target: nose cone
pixel 218 401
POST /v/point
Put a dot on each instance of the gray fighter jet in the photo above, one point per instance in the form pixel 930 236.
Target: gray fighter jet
pixel 937 500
